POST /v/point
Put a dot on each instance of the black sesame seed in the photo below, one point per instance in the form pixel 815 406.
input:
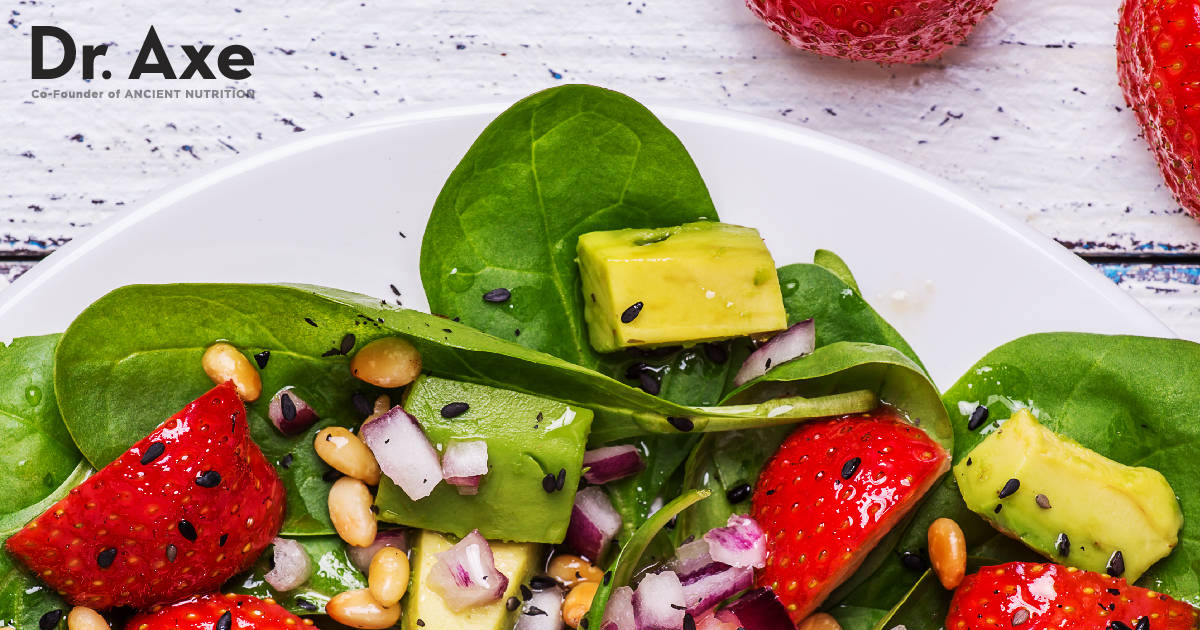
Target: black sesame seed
pixel 1010 488
pixel 49 620
pixel 1113 591
pixel 1042 501
pixel 978 417
pixel 738 493
pixel 549 483
pixel 716 353
pixel 105 558
pixel 347 345
pixel 1063 545
pixel 153 452
pixel 851 467
pixel 225 622
pixel 261 358
pixel 310 322
pixel 649 383
pixel 682 423
pixel 285 462
pixel 767 365
pixel 1116 564
pixel 534 611
pixel 223 539
pixel 172 551
pixel 999 506
pixel 541 582
pixel 561 480
pixel 688 622
pixel 1020 617
pixel 913 562
pixel 208 479
pixel 420 623
pixel 607 578
pixel 304 604
pixel 1143 623
pixel 187 530
pixel 526 593
pixel 631 313
pixel 512 604
pixel 288 407
pixel 496 296
pixel 455 409
pixel 678 607
pixel 1118 625
pixel 331 475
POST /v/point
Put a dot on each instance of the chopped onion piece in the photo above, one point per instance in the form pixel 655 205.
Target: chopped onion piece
pixel 361 557
pixel 716 583
pixel 741 543
pixel 610 463
pixel 690 559
pixel 709 621
pixel 543 611
pixel 658 602
pixel 292 567
pixel 594 522
pixel 404 452
pixel 797 341
pixel 618 615
pixel 758 609
pixel 292 417
pixel 464 464
pixel 466 575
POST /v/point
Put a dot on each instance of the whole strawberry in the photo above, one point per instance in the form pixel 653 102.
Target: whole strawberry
pixel 886 31
pixel 830 493
pixel 1158 65
pixel 219 612
pixel 1044 596
pixel 180 512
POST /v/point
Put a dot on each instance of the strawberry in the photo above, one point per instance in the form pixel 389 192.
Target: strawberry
pixel 831 492
pixel 888 31
pixel 180 512
pixel 1043 596
pixel 220 612
pixel 1158 64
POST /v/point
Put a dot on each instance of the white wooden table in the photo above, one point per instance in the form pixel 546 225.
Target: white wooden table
pixel 1027 115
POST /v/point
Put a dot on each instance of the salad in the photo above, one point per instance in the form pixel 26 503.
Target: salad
pixel 620 414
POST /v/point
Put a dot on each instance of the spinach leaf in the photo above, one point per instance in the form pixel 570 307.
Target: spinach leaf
pixel 562 162
pixel 333 573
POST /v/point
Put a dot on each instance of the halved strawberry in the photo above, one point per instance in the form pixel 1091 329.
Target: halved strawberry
pixel 219 612
pixel 830 492
pixel 1042 596
pixel 180 512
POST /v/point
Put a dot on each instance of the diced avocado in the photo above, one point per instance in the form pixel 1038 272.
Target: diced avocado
pixel 696 282
pixel 528 439
pixel 424 608
pixel 1067 502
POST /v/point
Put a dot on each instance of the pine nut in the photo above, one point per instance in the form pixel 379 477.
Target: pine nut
pixel 222 362
pixel 343 450
pixel 387 580
pixel 84 618
pixel 350 510
pixel 358 609
pixel 578 601
pixel 820 621
pixel 387 362
pixel 571 570
pixel 948 552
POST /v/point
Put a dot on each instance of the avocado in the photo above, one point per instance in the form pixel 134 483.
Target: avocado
pixel 1069 503
pixel 517 561
pixel 680 285
pixel 529 440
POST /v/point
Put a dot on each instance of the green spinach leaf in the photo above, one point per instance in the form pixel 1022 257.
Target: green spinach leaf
pixel 332 573
pixel 562 162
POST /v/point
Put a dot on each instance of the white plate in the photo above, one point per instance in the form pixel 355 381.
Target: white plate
pixel 953 277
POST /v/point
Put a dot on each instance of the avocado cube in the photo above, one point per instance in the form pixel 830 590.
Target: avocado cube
pixel 424 608
pixel 1069 503
pixel 528 439
pixel 680 285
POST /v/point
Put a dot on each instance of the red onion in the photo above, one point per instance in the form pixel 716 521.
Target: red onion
pixel 741 543
pixel 466 575
pixel 758 609
pixel 618 614
pixel 714 584
pixel 610 463
pixel 709 621
pixel 361 557
pixel 292 567
pixel 594 522
pixel 404 453
pixel 691 558
pixel 292 417
pixel 658 602
pixel 543 611
pixel 797 341
pixel 464 464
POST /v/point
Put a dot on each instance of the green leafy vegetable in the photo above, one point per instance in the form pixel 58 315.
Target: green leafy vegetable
pixel 557 164
pixel 332 573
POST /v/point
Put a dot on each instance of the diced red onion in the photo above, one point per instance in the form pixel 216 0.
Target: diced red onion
pixel 594 522
pixel 709 621
pixel 292 567
pixel 658 602
pixel 741 543
pixel 797 341
pixel 618 614
pixel 464 464
pixel 403 452
pixel 466 575
pixel 610 463
pixel 543 611
pixel 293 417
pixel 691 558
pixel 361 557
pixel 758 609
pixel 716 583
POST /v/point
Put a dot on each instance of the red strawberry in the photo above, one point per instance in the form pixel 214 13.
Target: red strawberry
pixel 206 613
pixel 887 31
pixel 1158 64
pixel 1043 596
pixel 830 492
pixel 185 509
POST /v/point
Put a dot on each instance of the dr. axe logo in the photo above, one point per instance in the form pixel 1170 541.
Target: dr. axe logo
pixel 233 62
